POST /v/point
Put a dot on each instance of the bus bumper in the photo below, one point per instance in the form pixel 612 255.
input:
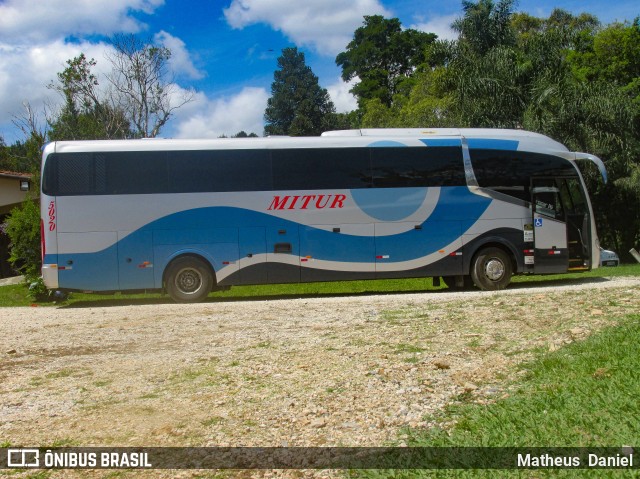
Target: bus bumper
pixel 50 275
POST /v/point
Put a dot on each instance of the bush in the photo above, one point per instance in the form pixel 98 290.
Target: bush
pixel 23 228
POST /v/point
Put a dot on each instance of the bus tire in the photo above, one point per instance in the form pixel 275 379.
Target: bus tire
pixel 491 269
pixel 189 280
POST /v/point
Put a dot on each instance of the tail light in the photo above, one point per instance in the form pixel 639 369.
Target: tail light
pixel 42 242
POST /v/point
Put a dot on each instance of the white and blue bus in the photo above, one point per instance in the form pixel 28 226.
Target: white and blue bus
pixel 473 206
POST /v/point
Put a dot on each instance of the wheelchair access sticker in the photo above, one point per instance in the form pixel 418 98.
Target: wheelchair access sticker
pixel 538 222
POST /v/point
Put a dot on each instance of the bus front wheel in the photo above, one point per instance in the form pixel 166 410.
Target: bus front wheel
pixel 491 269
pixel 189 280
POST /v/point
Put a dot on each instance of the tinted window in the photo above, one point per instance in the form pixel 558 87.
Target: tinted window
pixel 70 174
pixel 252 170
pixel 120 173
pixel 221 170
pixel 128 173
pixel 510 172
pixel 320 169
pixel 547 198
pixel 421 166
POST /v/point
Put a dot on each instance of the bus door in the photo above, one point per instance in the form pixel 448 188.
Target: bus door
pixel 574 202
pixel 551 254
pixel 253 258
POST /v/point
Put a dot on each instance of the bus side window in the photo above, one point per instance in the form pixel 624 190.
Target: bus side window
pixel 73 174
pixel 548 203
pixel 565 196
pixel 510 172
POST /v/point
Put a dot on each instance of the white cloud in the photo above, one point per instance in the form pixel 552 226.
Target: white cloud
pixel 206 118
pixel 325 25
pixel 33 48
pixel 343 100
pixel 244 111
pixel 440 25
pixel 41 21
pixel 25 72
pixel 180 61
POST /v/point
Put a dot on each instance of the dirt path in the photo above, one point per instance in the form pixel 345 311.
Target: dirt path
pixel 339 371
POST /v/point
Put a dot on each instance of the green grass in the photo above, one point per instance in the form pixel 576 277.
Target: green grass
pixel 603 272
pixel 63 373
pixel 583 395
pixel 16 295
pixel 407 348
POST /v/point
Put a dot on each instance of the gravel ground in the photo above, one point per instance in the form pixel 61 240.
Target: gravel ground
pixel 330 371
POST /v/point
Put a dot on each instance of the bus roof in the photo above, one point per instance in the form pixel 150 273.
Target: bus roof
pixel 535 141
pixel 522 140
pixel 426 132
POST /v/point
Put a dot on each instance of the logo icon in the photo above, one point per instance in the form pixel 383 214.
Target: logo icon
pixel 23 458
pixel 538 222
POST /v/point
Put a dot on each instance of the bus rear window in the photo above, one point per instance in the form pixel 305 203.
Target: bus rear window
pixel 69 174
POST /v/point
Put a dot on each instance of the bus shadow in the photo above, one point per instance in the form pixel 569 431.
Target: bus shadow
pixel 550 283
pixel 522 285
pixel 105 303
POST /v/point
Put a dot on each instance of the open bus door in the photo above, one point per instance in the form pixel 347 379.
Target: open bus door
pixel 578 217
pixel 551 252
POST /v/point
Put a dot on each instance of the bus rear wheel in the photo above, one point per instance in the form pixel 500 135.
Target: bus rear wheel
pixel 491 269
pixel 189 280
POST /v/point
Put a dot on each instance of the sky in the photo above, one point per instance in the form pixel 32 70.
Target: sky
pixel 225 50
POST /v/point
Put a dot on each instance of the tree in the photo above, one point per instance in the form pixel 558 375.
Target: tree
pixel 6 162
pixel 142 86
pixel 613 55
pixel 427 105
pixel 617 54
pixel 136 100
pixel 23 228
pixel 244 134
pixel 298 105
pixel 486 25
pixel 562 20
pixel 563 76
pixel 382 56
pixel 87 113
pixel 27 154
pixel 92 123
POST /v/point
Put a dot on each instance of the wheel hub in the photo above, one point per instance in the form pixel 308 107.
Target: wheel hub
pixel 188 281
pixel 494 269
